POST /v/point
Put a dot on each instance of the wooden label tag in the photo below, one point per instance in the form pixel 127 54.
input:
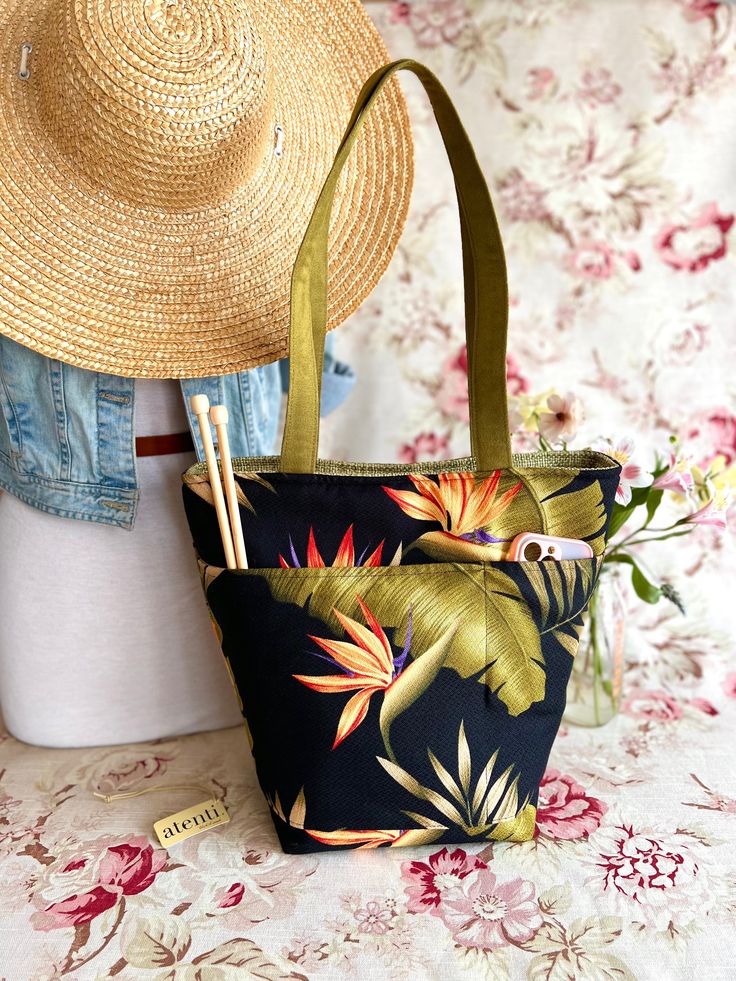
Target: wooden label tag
pixel 192 821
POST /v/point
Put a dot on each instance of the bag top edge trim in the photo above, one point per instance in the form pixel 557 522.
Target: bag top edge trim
pixel 562 460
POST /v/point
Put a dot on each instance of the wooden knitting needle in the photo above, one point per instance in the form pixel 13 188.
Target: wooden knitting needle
pixel 200 405
pixel 218 418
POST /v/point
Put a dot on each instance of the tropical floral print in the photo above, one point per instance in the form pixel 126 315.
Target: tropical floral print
pixel 368 665
pixel 407 648
pixel 464 506
pixel 345 557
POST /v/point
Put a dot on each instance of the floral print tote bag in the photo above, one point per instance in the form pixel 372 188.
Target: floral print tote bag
pixel 402 681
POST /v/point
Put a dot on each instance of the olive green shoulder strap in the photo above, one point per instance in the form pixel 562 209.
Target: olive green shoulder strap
pixel 486 293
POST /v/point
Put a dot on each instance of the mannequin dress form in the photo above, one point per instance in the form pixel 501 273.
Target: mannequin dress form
pixel 104 633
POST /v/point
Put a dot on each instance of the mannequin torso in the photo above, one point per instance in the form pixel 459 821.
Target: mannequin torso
pixel 104 635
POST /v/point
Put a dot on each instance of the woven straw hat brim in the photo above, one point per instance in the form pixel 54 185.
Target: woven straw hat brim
pixel 98 281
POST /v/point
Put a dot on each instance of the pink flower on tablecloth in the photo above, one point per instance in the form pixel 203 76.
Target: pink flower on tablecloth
pixel 695 245
pixel 121 771
pixel 656 877
pixel 598 87
pixel 591 260
pixel 436 21
pixel 228 896
pixel 729 685
pixel 132 866
pixel 704 706
pixel 427 881
pixel 373 919
pixel 564 810
pixel 485 913
pixel 81 908
pixel 99 879
pixel 656 706
pixel 425 446
pixel 717 430
pixel 540 82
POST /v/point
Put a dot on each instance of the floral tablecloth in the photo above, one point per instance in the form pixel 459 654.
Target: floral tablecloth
pixel 632 874
pixel 607 132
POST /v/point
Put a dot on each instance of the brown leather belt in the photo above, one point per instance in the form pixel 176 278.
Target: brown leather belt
pixel 160 445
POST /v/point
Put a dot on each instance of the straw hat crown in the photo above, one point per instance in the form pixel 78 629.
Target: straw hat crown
pixel 159 163
pixel 174 114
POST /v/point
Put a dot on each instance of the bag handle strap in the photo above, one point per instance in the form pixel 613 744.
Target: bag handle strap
pixel 486 292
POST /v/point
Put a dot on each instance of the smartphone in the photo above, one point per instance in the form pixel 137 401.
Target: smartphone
pixel 530 547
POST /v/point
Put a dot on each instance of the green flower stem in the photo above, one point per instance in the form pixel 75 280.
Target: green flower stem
pixel 629 540
pixel 597 665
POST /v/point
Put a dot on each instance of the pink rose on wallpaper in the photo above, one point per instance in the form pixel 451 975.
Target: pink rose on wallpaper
pixel 716 430
pixel 704 706
pixel 399 12
pixel 598 87
pixel 485 913
pixel 564 810
pixel 656 706
pixel 516 383
pixel 425 446
pixel 540 82
pixel 452 397
pixel 591 260
pixel 695 245
pixel 700 9
pixel 427 881
pixel 436 21
pixel 729 685
pixel 521 199
pixel 125 869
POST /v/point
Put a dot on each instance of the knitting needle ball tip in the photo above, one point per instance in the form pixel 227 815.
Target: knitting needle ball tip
pixel 200 404
pixel 218 415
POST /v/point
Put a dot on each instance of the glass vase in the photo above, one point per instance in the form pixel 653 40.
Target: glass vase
pixel 594 689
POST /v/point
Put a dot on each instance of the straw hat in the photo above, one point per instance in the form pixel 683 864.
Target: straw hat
pixel 159 164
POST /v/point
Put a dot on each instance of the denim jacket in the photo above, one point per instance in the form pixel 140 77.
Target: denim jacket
pixel 67 435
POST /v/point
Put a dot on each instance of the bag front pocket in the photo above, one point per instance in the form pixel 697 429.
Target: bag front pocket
pixel 418 702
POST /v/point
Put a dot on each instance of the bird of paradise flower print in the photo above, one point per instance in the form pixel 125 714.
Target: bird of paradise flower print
pixel 465 508
pixel 345 557
pixel 368 665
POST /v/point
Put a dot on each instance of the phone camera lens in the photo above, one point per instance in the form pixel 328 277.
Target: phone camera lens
pixel 533 552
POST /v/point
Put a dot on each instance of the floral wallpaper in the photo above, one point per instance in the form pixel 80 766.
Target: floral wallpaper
pixel 606 131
